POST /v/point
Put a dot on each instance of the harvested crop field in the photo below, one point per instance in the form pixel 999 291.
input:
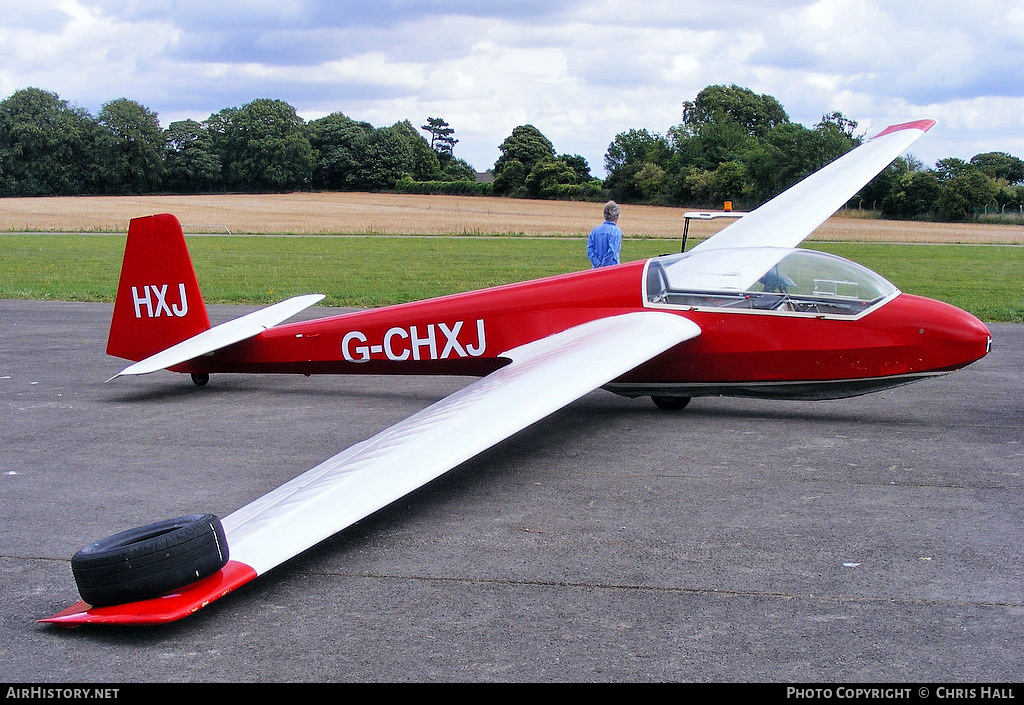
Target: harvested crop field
pixel 400 214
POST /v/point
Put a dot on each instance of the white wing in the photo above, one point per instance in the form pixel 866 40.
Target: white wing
pixel 787 219
pixel 542 377
pixel 791 216
pixel 221 336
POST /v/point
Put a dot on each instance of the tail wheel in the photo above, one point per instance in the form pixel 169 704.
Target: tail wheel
pixel 670 403
pixel 200 380
pixel 150 560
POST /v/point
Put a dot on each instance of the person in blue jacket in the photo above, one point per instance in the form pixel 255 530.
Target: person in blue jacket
pixel 605 240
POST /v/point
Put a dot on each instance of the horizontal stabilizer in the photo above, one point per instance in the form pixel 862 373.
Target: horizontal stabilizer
pixel 222 335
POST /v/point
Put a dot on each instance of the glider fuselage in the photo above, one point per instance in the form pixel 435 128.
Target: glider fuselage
pixel 740 351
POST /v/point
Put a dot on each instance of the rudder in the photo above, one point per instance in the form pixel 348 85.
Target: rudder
pixel 158 300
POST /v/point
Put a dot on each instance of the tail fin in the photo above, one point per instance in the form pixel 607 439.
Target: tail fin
pixel 158 299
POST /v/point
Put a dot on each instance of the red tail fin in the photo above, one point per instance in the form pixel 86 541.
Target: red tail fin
pixel 158 300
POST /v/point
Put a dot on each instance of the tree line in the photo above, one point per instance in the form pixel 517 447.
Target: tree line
pixel 49 147
pixel 735 145
pixel 732 145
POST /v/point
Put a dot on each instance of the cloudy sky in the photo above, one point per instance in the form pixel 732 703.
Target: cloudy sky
pixel 581 71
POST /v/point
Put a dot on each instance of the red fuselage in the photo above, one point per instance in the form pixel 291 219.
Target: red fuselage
pixel 741 352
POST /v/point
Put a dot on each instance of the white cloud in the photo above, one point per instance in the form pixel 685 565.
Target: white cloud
pixel 580 71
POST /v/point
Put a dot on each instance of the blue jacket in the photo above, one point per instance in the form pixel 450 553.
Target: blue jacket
pixel 604 244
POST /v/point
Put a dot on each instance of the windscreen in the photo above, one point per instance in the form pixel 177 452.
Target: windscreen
pixel 802 281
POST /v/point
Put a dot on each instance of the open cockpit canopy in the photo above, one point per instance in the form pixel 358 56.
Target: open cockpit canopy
pixel 784 280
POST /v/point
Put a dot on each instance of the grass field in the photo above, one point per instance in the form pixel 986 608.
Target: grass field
pixel 384 267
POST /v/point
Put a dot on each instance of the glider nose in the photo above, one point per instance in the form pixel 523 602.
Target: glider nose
pixel 969 336
pixel 953 337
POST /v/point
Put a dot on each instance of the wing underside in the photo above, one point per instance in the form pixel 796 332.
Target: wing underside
pixel 786 220
pixel 541 377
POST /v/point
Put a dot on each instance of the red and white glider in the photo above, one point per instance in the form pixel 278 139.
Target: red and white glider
pixel 742 313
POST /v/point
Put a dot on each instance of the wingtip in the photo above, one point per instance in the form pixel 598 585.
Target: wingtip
pixel 922 125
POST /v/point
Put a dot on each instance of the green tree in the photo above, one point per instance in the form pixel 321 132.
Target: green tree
pixel 878 189
pixel 47 146
pixel 423 163
pixel 912 194
pixel 132 147
pixel 840 124
pixel 952 167
pixel 791 152
pixel 627 155
pixel 441 139
pixel 713 144
pixel 1012 196
pixel 650 181
pixel 631 149
pixel 340 143
pixel 711 188
pixel 547 176
pixel 1000 166
pixel 191 164
pixel 386 158
pixel 511 178
pixel 458 170
pixel 755 114
pixel 734 141
pixel 263 146
pixel 579 165
pixel 966 193
pixel 527 146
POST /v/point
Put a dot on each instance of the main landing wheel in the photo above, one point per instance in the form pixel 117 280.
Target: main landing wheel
pixel 200 380
pixel 150 560
pixel 670 403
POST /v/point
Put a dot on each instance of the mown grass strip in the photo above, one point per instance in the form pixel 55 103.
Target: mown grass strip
pixel 376 271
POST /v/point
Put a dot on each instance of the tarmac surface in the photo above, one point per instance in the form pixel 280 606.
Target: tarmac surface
pixel 873 539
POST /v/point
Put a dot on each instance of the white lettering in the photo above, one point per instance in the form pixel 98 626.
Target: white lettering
pixel 37 692
pixel 478 349
pixel 361 350
pixel 793 692
pixel 389 350
pixel 428 342
pixel 152 294
pixel 143 299
pixel 422 343
pixel 989 692
pixel 161 301
pixel 181 308
pixel 451 343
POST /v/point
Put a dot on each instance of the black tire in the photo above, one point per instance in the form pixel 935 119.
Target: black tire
pixel 200 379
pixel 671 403
pixel 150 560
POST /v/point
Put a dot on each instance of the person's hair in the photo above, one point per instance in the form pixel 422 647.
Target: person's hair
pixel 611 210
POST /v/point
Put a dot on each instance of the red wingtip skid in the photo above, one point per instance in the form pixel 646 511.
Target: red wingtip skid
pixel 923 125
pixel 168 608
